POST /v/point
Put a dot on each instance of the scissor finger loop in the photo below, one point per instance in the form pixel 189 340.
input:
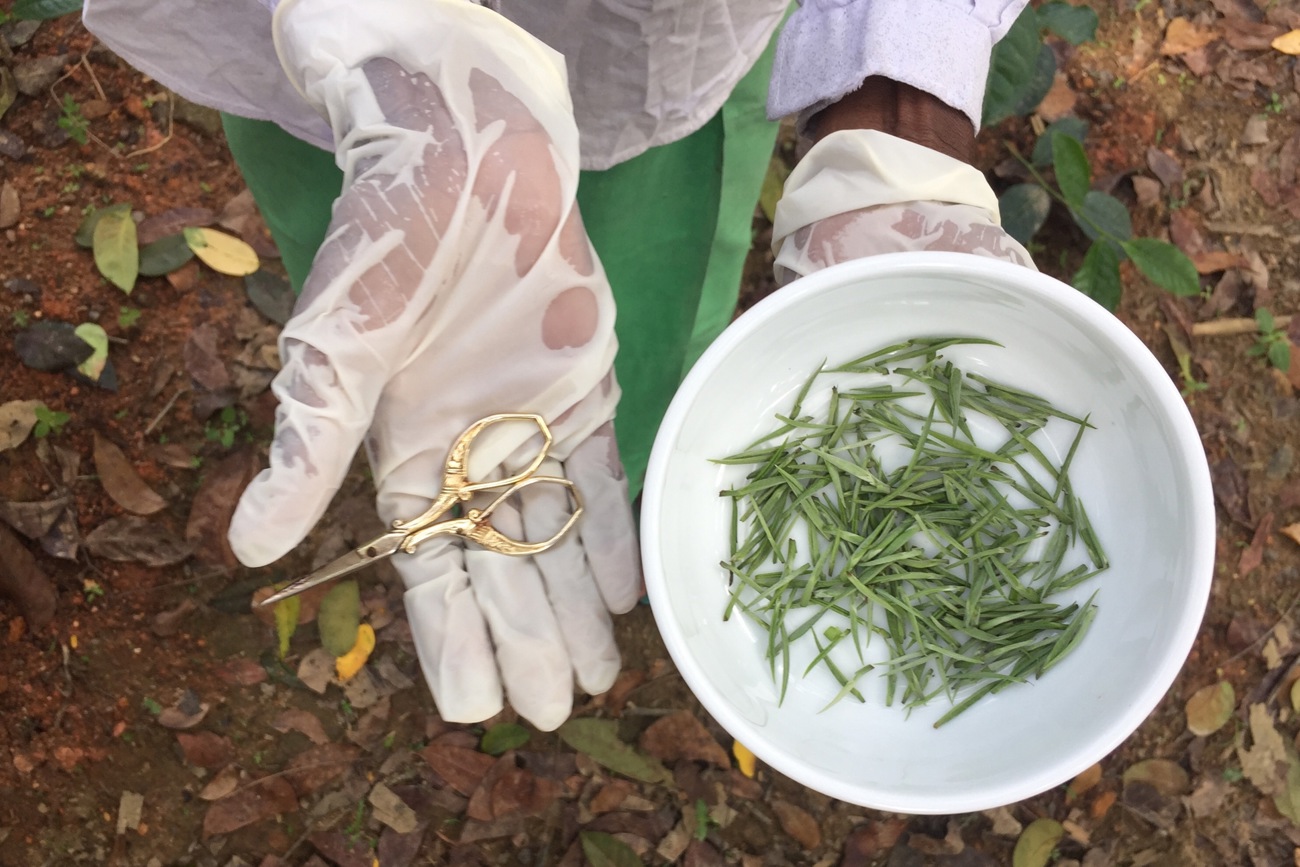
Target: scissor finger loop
pixel 476 523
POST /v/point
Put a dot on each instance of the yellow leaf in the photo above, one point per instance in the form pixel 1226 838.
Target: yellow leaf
pixel 223 253
pixel 745 760
pixel 1288 43
pixel 351 662
pixel 286 621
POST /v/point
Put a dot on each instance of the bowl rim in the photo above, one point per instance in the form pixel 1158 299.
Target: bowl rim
pixel 1190 455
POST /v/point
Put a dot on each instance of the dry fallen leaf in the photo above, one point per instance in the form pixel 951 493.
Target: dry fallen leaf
pixel 1253 555
pixel 121 481
pixel 22 580
pixel 319 764
pixel 214 505
pixel 223 784
pixel 798 823
pixel 17 418
pixel 223 253
pixel 1210 708
pixel 1288 43
pixel 1165 776
pixel 681 735
pixel 1182 36
pixel 132 538
pixel 185 714
pixel 302 721
pixel 1292 532
pixel 206 749
pixel 463 769
pixel 268 797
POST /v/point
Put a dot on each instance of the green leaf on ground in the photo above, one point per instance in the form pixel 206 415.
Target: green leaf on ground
pixel 773 186
pixel 1073 174
pixel 598 738
pixel 1103 216
pixel 1020 73
pixel 95 335
pixel 1098 277
pixel 43 9
pixel 1074 24
pixel 1072 127
pixel 164 255
pixel 340 617
pixel 8 89
pixel 85 236
pixel 606 850
pixel 116 253
pixel 503 737
pixel 1024 208
pixel 1164 265
pixel 1036 843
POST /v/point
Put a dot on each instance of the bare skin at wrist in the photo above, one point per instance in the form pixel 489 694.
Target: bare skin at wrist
pixel 901 110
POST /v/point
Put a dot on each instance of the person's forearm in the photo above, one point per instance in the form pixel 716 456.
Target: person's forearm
pixel 900 110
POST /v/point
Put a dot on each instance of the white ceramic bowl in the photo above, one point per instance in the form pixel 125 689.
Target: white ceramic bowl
pixel 1141 473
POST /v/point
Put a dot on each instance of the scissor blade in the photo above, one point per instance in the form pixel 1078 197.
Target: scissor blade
pixel 358 558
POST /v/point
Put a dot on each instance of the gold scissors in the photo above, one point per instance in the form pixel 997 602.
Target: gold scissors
pixel 475 524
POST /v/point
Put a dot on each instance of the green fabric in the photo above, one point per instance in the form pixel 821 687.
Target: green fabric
pixel 294 183
pixel 672 228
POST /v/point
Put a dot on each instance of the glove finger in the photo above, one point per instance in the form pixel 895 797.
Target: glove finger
pixel 317 431
pixel 607 529
pixel 576 600
pixel 531 653
pixel 450 634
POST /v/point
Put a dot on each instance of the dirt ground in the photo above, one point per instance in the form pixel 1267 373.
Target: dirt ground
pixel 147 717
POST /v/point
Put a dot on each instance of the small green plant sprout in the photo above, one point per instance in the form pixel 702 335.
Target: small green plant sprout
pixel 230 421
pixel 1272 341
pixel 72 121
pixel 128 317
pixel 150 705
pixel 92 590
pixel 22 318
pixel 49 421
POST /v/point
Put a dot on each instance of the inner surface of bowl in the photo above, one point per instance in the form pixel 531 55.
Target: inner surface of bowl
pixel 1141 474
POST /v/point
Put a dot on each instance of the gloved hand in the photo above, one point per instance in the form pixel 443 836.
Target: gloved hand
pixel 862 192
pixel 456 281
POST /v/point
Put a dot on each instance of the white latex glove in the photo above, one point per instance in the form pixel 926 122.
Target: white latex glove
pixel 862 192
pixel 456 281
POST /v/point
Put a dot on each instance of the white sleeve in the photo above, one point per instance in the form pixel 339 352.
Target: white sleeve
pixel 940 46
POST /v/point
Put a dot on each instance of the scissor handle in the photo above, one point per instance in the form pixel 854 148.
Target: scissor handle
pixel 476 525
pixel 456 486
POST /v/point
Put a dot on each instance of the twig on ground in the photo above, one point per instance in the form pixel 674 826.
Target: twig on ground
pixel 1242 325
pixel 166 409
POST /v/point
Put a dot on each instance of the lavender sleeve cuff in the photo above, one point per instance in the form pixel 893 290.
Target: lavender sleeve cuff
pixel 828 47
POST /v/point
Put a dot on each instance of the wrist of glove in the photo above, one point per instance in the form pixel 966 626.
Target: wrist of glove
pixel 456 281
pixel 861 192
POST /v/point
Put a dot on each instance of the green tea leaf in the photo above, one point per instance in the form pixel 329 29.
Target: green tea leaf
pixel 116 253
pixel 598 738
pixel 1036 843
pixel 1074 24
pixel 1020 73
pixel 164 255
pixel 94 335
pixel 1024 208
pixel 43 9
pixel 286 621
pixel 340 617
pixel 1098 278
pixel 1073 174
pixel 1103 216
pixel 773 186
pixel 503 737
pixel 1164 265
pixel 606 850
pixel 1210 708
pixel 1073 127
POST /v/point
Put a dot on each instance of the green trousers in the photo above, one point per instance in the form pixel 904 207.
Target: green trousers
pixel 672 228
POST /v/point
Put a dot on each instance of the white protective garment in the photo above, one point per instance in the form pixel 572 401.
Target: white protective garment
pixel 641 72
pixel 859 193
pixel 456 281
